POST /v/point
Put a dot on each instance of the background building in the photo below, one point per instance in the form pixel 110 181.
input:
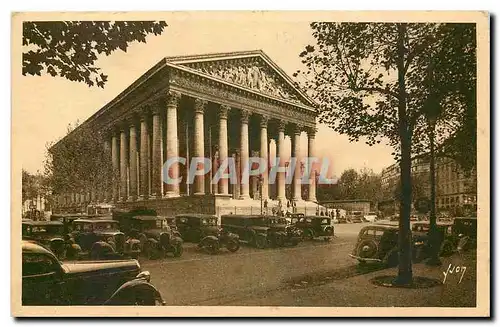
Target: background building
pixel 456 190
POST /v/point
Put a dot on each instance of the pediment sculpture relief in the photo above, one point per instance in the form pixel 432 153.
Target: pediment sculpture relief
pixel 253 76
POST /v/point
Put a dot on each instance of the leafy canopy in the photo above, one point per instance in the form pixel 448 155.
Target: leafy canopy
pixel 70 48
pixel 352 71
pixel 82 162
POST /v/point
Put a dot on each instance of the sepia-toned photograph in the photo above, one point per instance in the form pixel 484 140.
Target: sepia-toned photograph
pixel 246 163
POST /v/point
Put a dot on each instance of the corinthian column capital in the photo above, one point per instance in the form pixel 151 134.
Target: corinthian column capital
pixel 281 125
pixel 223 111
pixel 245 115
pixel 311 132
pixel 263 121
pixel 200 105
pixel 298 128
pixel 173 98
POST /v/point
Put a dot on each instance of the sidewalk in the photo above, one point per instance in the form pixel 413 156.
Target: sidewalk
pixel 358 291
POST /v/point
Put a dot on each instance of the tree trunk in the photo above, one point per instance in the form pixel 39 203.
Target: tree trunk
pixel 405 275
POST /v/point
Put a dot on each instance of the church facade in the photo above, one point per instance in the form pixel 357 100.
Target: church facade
pixel 217 106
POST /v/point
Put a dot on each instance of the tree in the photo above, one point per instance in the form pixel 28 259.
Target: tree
pixel 348 184
pixel 369 186
pixel 28 187
pixel 70 48
pixel 368 79
pixel 81 163
pixel 457 80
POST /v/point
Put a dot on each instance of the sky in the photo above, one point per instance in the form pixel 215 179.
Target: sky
pixel 53 102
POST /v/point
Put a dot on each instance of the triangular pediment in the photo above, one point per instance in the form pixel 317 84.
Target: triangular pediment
pixel 252 70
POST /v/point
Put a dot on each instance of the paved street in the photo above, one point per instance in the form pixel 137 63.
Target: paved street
pixel 201 279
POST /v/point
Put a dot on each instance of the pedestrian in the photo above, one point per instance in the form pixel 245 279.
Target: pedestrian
pixel 265 203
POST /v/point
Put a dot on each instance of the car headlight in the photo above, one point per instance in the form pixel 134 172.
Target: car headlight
pixel 419 243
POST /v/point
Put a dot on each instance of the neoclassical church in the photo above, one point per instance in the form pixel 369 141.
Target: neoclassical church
pixel 218 106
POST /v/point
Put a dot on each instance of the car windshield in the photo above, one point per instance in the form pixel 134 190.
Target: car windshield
pixel 153 224
pixel 260 221
pixel 421 228
pixel 208 222
pixel 325 221
pixel 83 227
pixel 103 211
pixel 106 226
pixel 52 230
pixel 277 221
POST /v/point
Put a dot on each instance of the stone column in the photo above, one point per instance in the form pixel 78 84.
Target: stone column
pixel 223 150
pixel 157 157
pixel 311 152
pixel 244 155
pixel 115 161
pixel 172 147
pixel 133 162
pixel 144 159
pixel 237 163
pixel 296 185
pixel 199 143
pixel 264 155
pixel 280 147
pixel 123 164
pixel 105 188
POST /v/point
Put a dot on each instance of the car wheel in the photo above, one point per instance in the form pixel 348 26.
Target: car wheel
pixel 260 242
pixel 178 249
pixel 233 245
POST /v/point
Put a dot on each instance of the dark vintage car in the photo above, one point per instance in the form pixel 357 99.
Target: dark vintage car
pixel 51 235
pixel 154 233
pixel 67 220
pixel 446 241
pixel 379 244
pixel 465 230
pixel 102 239
pixel 355 217
pixel 262 231
pixel 204 230
pixel 48 281
pixel 315 226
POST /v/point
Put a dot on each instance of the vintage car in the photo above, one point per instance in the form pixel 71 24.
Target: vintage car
pixel 67 220
pixel 51 235
pixel 262 231
pixel 156 236
pixel 315 226
pixel 48 281
pixel 102 239
pixel 355 217
pixel 204 230
pixel 446 241
pixel 465 230
pixel 379 244
pixel 370 217
pixel 100 209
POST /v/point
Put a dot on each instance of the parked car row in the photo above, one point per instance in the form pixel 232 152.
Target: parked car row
pixel 378 243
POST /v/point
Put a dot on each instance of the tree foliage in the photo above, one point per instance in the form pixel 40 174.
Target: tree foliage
pixel 353 184
pixel 70 48
pixel 29 186
pixel 81 163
